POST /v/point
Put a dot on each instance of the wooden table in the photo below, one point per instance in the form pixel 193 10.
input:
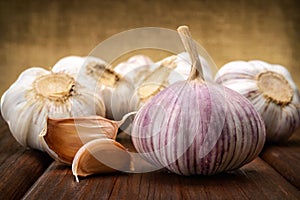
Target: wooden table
pixel 30 174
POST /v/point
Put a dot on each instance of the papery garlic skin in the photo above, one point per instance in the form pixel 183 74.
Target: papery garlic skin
pixel 272 91
pixel 38 94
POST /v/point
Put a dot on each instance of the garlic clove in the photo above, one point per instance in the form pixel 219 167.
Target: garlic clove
pixel 100 156
pixel 64 137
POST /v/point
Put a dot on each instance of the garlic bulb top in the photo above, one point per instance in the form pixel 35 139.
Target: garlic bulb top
pixel 196 126
pixel 38 94
pixel 271 90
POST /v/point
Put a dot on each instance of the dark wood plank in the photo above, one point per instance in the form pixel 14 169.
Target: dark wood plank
pixel 254 181
pixel 59 183
pixel 19 167
pixel 257 180
pixel 285 158
pixel 20 171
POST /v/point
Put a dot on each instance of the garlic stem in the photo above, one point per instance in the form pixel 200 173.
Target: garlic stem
pixel 191 48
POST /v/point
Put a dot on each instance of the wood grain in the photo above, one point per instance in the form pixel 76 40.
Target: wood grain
pixel 19 167
pixel 256 180
pixel 285 158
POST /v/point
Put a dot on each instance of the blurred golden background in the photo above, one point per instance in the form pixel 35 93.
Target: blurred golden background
pixel 38 33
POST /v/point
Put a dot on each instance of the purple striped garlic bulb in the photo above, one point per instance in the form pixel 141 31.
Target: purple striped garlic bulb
pixel 196 126
pixel 271 90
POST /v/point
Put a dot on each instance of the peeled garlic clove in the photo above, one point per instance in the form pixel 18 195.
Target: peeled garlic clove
pixel 272 91
pixel 197 126
pixel 38 94
pixel 115 90
pixel 100 156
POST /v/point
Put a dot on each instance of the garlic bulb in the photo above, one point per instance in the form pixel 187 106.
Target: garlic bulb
pixel 196 126
pixel 101 156
pixel 38 94
pixel 271 90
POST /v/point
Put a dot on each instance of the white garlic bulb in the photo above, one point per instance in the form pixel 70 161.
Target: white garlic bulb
pixel 271 90
pixel 38 94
